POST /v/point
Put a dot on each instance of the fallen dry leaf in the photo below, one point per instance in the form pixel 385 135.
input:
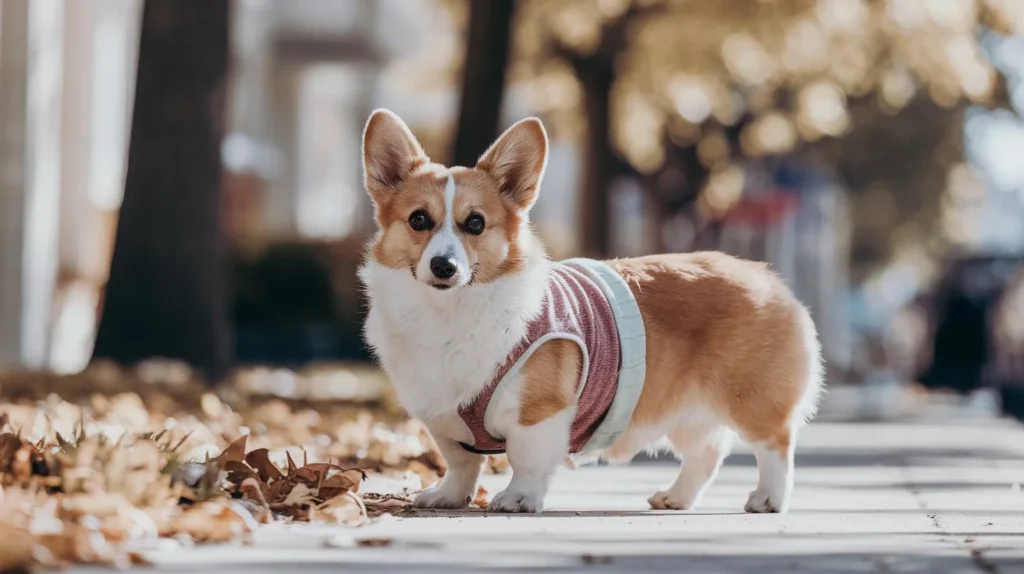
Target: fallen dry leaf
pixel 342 509
pixel 235 452
pixel 81 545
pixel 16 548
pixel 259 460
pixel 498 463
pixel 377 504
pixel 300 495
pixel 482 497
pixel 213 521
pixel 92 461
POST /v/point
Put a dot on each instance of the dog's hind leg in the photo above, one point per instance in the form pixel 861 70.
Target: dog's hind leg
pixel 702 452
pixel 774 470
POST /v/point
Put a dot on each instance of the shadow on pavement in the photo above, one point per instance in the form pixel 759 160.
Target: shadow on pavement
pixel 884 457
pixel 839 563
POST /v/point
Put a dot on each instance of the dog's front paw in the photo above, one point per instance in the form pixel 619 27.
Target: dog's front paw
pixel 510 500
pixel 442 498
pixel 668 500
pixel 764 501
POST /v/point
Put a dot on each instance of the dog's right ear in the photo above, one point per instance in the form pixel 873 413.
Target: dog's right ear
pixel 390 154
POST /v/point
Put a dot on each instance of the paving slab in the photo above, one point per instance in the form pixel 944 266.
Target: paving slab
pixel 936 495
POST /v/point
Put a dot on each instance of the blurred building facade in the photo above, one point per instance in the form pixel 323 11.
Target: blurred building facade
pixel 305 75
pixel 66 82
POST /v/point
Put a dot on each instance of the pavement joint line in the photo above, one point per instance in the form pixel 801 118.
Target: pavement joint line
pixel 974 552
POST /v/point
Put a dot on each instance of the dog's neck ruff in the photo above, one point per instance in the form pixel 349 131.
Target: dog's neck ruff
pixel 440 348
pixel 588 303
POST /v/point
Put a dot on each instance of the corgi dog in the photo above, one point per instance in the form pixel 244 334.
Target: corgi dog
pixel 496 348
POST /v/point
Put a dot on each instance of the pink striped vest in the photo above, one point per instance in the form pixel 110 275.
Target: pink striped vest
pixel 574 308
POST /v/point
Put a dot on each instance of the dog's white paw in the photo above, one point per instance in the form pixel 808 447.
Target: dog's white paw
pixel 763 501
pixel 439 497
pixel 510 500
pixel 668 500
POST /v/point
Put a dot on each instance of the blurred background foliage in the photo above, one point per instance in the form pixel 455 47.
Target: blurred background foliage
pixel 867 149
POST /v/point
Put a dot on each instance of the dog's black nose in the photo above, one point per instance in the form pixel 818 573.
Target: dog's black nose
pixel 442 267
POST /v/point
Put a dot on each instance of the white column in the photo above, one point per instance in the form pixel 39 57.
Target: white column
pixel 13 81
pixel 77 289
pixel 75 153
pixel 43 176
pixel 100 51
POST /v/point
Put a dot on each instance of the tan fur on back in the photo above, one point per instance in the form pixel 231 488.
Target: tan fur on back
pixel 720 329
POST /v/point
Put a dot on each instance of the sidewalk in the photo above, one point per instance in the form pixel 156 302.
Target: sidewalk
pixel 941 495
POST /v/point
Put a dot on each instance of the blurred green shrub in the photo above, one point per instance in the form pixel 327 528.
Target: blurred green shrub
pixel 296 301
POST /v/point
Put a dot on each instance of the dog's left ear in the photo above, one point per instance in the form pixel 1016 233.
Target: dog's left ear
pixel 517 160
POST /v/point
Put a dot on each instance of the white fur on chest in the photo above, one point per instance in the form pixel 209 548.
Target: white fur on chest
pixel 441 348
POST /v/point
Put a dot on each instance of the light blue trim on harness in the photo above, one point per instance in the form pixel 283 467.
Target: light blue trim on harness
pixel 632 348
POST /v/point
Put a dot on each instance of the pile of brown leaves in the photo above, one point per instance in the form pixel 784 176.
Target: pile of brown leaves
pixel 150 453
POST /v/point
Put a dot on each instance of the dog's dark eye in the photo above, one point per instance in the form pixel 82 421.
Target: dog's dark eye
pixel 420 221
pixel 474 224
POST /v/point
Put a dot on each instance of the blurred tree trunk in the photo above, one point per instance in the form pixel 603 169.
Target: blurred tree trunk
pixel 483 84
pixel 166 296
pixel 888 194
pixel 595 72
pixel 598 164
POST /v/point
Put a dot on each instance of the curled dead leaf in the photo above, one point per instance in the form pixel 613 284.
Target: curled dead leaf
pixel 234 451
pixel 482 497
pixel 238 472
pixel 9 444
pixel 300 495
pixel 308 476
pixel 23 463
pixel 16 546
pixel 78 544
pixel 259 460
pixel 498 463
pixel 377 504
pixel 130 523
pixel 344 481
pixel 213 521
pixel 252 489
pixel 104 460
pixel 347 509
pixel 100 505
pixel 262 514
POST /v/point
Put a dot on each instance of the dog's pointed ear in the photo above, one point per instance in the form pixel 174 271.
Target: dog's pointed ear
pixel 390 153
pixel 517 161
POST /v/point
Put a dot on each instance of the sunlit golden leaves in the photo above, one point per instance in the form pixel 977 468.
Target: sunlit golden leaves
pixel 701 61
pixel 723 190
pixel 771 133
pixel 84 478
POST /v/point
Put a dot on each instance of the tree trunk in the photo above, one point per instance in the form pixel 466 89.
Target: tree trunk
pixel 167 296
pixel 487 50
pixel 598 166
